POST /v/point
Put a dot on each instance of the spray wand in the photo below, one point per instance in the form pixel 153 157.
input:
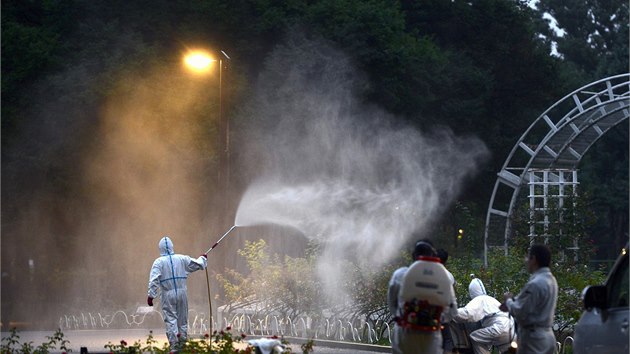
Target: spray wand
pixel 222 237
pixel 208 279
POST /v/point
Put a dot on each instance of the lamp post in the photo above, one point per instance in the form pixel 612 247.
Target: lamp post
pixel 200 62
pixel 227 130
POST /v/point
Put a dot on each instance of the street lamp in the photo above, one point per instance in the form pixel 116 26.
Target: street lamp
pixel 200 62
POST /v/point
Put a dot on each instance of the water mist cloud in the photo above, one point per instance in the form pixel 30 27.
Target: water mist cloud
pixel 147 176
pixel 338 170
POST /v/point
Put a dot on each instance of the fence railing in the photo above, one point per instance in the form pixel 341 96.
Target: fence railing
pixel 345 328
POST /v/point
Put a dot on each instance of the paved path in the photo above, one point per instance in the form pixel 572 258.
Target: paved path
pixel 95 341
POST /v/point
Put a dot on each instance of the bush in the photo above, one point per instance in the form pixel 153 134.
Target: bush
pixel 221 342
pixel 12 344
pixel 508 273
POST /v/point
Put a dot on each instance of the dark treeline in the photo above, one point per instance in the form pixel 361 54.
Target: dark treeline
pixel 480 67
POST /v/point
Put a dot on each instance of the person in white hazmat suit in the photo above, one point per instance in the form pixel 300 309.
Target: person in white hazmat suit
pixel 534 307
pixel 418 297
pixel 168 274
pixel 497 328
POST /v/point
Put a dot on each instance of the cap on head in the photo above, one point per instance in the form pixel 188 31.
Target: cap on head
pixel 166 246
pixel 423 248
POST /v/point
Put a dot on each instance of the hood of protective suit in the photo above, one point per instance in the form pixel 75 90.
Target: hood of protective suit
pixel 476 288
pixel 166 246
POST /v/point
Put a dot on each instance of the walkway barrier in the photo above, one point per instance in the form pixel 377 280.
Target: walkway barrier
pixel 349 328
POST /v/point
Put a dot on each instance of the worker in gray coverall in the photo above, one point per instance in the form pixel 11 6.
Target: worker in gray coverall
pixel 169 273
pixel 535 306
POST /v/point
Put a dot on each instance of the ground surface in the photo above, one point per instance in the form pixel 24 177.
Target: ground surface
pixel 95 341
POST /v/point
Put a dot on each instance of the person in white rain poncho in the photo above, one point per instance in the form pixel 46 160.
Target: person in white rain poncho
pixel 169 273
pixel 497 327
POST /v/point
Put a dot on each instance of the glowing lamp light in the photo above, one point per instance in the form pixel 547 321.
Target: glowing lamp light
pixel 624 251
pixel 513 347
pixel 198 61
pixel 460 233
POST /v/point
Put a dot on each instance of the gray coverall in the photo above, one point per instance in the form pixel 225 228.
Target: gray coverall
pixel 534 309
pixel 169 273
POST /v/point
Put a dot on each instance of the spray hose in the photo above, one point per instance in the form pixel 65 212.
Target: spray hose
pixel 208 279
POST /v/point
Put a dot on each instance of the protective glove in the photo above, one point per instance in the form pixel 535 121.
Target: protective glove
pixel 503 306
pixel 150 301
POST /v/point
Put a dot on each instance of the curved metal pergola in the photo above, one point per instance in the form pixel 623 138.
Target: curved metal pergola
pixel 556 140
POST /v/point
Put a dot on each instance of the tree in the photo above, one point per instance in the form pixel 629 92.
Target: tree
pixel 476 66
pixel 509 273
pixel 593 45
pixel 273 285
pixel 289 287
pixel 604 175
pixel 497 78
pixel 403 66
pixel 33 34
pixel 594 37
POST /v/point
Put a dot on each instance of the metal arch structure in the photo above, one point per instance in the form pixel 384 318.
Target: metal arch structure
pixel 556 140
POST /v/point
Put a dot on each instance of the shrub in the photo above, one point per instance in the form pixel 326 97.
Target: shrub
pixel 12 344
pixel 221 342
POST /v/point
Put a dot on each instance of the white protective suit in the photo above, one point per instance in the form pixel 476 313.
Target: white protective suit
pixel 268 346
pixel 405 341
pixel 534 309
pixel 497 328
pixel 169 273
